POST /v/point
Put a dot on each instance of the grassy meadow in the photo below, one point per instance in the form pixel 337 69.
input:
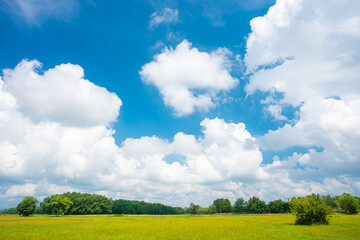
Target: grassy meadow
pixel 175 227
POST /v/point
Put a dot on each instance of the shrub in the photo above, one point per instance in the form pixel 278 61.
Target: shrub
pixel 310 210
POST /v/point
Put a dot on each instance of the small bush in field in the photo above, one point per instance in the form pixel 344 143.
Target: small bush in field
pixel 310 210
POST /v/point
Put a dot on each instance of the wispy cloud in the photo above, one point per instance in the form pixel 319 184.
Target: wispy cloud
pixel 36 12
pixel 167 16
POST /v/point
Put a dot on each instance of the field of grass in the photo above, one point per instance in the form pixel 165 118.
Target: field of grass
pixel 175 227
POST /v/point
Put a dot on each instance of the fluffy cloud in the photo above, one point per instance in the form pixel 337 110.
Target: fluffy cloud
pixel 308 52
pixel 41 151
pixel 60 94
pixel 188 79
pixel 329 125
pixel 305 49
pixel 167 16
pixel 227 151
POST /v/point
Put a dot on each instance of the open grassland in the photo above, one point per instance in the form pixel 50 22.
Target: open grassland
pixel 175 227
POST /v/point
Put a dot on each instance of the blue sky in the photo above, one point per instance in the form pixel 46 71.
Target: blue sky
pixel 180 101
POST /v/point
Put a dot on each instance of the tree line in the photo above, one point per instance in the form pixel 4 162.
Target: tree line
pixel 345 203
pixel 308 210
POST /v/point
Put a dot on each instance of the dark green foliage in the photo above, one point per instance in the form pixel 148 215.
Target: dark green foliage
pixel 329 201
pixel 83 203
pixel 193 208
pixel 358 199
pixel 222 205
pixel 140 207
pixel 212 209
pixel 255 205
pixel 349 204
pixel 10 211
pixel 27 206
pixel 239 206
pixel 39 210
pixel 59 203
pixel 310 210
pixel 278 206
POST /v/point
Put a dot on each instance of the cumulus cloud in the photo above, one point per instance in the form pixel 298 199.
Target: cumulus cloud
pixel 35 12
pixel 60 94
pixel 305 49
pixel 275 111
pixel 308 53
pixel 21 190
pixel 47 157
pixel 188 79
pixel 167 16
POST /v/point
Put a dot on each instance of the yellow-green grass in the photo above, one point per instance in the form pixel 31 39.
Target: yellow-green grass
pixel 175 227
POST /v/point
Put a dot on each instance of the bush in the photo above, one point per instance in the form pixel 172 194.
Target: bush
pixel 310 210
pixel 349 204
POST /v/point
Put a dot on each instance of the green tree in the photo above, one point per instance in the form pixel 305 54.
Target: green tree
pixel 255 205
pixel 121 206
pixel 222 205
pixel 27 206
pixel 212 209
pixel 310 210
pixel 60 202
pixel 10 211
pixel 278 206
pixel 349 204
pixel 193 208
pixel 329 201
pixel 239 205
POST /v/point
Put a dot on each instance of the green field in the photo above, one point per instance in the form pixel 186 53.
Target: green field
pixel 175 227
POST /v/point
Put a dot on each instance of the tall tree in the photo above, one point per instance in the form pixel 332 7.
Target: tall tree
pixel 27 206
pixel 255 205
pixel 278 206
pixel 222 205
pixel 60 202
pixel 239 205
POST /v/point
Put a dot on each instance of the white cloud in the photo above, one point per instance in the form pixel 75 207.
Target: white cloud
pixel 167 16
pixel 44 155
pixel 60 94
pixel 275 111
pixel 21 190
pixel 188 79
pixel 329 124
pixel 308 52
pixel 41 157
pixel 50 153
pixel 315 45
pixel 35 12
